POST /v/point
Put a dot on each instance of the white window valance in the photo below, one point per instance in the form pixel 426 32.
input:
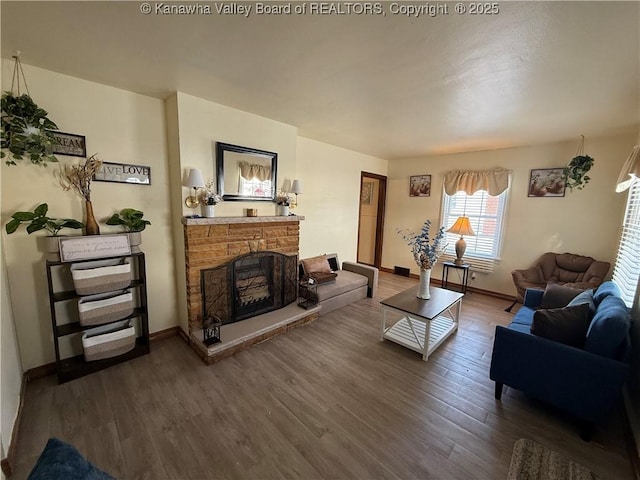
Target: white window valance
pixel 254 170
pixel 494 182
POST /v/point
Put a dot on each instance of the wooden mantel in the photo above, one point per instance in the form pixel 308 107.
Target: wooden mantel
pixel 233 220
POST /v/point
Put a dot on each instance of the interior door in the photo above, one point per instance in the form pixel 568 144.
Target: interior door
pixel 373 189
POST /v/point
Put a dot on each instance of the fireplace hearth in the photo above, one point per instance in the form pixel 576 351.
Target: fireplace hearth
pixel 213 242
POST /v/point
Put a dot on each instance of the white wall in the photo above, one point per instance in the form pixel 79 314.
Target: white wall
pixel 194 126
pixel 121 127
pixel 585 221
pixel 202 123
pixel 331 198
pixel 10 365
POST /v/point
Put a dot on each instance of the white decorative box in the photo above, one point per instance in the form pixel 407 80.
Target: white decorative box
pixel 108 341
pixel 105 307
pixel 101 276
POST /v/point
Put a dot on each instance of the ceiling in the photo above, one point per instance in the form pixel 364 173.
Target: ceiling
pixel 389 85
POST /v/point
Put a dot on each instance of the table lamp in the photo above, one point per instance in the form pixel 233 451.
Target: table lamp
pixel 296 188
pixel 461 227
pixel 195 181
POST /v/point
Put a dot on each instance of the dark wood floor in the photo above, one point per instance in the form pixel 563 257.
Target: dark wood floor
pixel 327 400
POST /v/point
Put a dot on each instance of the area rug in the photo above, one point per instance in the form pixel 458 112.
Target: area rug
pixel 532 461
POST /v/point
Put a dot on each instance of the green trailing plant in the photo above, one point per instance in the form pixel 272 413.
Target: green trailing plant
pixel 130 219
pixel 26 131
pixel 575 174
pixel 38 220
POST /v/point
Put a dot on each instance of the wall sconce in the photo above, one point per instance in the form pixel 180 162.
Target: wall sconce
pixel 296 188
pixel 195 181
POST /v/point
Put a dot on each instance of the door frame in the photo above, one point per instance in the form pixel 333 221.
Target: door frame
pixel 382 202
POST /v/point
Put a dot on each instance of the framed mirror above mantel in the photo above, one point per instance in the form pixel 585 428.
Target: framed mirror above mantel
pixel 245 173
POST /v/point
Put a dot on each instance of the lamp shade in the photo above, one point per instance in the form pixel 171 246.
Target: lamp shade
pixel 195 180
pixel 462 227
pixel 296 186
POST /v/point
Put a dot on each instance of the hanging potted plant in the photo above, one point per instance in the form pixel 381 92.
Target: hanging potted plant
pixel 78 178
pixel 575 173
pixel 26 129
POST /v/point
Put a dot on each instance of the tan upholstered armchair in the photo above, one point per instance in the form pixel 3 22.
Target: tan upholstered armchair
pixel 574 271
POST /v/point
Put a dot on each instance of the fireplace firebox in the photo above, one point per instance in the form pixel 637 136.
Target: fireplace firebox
pixel 249 285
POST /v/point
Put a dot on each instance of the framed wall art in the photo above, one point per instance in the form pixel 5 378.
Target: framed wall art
pixel 124 173
pixel 366 195
pixel 69 144
pixel 546 182
pixel 420 186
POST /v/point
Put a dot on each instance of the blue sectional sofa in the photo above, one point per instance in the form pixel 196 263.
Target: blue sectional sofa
pixel 586 380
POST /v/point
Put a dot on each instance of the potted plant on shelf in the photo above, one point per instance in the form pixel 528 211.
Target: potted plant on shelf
pixel 132 221
pixel 425 253
pixel 26 131
pixel 38 220
pixel 283 201
pixel 210 198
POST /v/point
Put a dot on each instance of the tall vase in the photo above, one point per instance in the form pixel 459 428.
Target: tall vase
pixel 423 287
pixel 91 226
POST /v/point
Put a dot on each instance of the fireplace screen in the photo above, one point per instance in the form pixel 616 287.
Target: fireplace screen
pixel 249 285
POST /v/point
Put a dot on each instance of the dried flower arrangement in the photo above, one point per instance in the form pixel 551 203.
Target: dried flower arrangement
pixel 210 196
pixel 424 253
pixel 78 177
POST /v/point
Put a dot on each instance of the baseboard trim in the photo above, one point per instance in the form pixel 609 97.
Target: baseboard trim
pixel 166 333
pixel 438 282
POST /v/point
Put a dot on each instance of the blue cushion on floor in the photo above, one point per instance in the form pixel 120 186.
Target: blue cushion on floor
pixel 61 461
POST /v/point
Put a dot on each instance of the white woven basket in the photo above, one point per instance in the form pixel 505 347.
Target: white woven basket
pixel 105 307
pixel 108 341
pixel 101 276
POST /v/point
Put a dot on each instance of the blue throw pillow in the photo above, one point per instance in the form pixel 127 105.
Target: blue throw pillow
pixel 61 461
pixel 585 297
pixel 604 290
pixel 609 328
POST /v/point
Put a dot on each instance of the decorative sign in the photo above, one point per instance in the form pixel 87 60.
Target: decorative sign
pixel 94 246
pixel 69 144
pixel 123 173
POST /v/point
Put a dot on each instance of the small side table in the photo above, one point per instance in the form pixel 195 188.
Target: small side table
pixel 307 293
pixel 465 274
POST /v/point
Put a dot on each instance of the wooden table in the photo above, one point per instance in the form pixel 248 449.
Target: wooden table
pixel 422 325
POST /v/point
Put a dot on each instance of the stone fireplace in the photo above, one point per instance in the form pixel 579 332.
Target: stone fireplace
pixel 243 270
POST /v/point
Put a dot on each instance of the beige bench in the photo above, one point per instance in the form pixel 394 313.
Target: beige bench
pixel 353 282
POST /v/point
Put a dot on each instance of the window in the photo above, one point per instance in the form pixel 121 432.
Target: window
pixel 254 187
pixel 627 268
pixel 486 214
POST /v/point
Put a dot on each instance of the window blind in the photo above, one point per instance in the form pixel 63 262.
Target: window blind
pixel 486 214
pixel 627 266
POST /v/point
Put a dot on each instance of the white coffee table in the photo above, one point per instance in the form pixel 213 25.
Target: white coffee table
pixel 421 325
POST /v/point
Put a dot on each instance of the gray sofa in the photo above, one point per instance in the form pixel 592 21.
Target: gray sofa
pixel 353 282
